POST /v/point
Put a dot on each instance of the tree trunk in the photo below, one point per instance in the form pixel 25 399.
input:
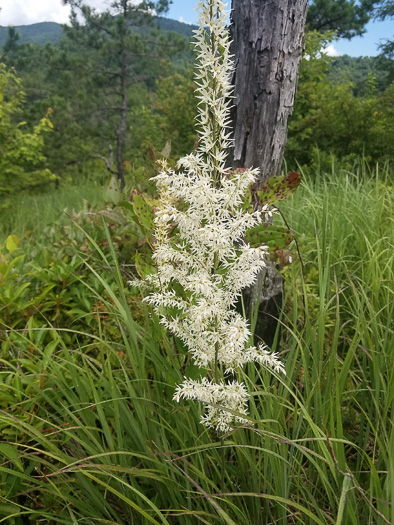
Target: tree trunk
pixel 268 40
pixel 122 129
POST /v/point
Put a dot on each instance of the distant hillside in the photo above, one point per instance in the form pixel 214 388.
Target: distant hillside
pixel 167 24
pixel 35 33
pixel 50 32
pixel 359 71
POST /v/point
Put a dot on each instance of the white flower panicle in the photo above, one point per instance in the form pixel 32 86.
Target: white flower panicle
pixel 199 242
pixel 213 69
pixel 232 396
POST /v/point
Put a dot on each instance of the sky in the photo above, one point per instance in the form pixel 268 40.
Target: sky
pixel 23 12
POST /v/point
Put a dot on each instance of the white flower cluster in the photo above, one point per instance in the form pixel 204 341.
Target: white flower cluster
pixel 232 396
pixel 200 227
pixel 213 69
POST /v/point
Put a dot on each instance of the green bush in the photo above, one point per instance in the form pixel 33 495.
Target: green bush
pixel 22 163
pixel 46 281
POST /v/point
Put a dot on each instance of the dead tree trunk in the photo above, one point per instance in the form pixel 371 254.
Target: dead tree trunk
pixel 268 40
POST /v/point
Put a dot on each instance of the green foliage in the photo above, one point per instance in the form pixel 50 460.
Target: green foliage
pixel 346 17
pixel 113 191
pixel 337 109
pixel 313 72
pixel 358 70
pixel 333 119
pixel 384 9
pixel 12 243
pixel 143 211
pixel 122 50
pixel 22 162
pixel 36 210
pixel 86 112
pixel 89 427
pixel 167 115
pixel 11 41
pixel 275 237
pixel 45 278
pixel 174 107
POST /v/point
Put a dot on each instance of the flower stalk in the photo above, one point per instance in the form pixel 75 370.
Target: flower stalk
pixel 200 226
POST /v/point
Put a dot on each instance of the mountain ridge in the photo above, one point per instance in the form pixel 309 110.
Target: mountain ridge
pixel 50 32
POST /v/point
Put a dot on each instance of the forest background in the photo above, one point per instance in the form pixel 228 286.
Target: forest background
pixel 85 112
pixel 343 110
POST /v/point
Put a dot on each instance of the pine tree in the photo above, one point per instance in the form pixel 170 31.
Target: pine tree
pixel 122 51
pixel 346 17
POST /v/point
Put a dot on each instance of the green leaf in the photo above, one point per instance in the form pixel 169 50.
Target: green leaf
pixel 126 205
pixel 49 349
pixel 150 200
pixel 11 453
pixel 143 211
pixel 12 243
pixel 143 265
pixel 166 152
pixel 17 292
pixel 112 193
pixel 129 207
pixel 275 237
pixel 7 509
pixel 278 188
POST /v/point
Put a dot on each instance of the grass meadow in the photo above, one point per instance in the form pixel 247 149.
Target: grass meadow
pixel 89 431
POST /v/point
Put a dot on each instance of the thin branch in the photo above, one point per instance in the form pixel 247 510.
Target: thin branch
pixel 109 167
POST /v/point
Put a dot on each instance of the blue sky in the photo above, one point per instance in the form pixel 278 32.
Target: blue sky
pixel 21 12
pixel 377 32
pixel 184 10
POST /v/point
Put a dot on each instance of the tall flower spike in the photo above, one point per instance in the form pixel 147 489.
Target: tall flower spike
pixel 214 90
pixel 205 255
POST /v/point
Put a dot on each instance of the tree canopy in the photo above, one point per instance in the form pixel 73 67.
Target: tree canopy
pixel 346 17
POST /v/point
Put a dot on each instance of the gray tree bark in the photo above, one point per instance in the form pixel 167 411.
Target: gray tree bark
pixel 268 41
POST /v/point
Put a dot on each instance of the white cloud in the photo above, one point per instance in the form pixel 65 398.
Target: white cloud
pixel 24 12
pixel 331 51
pixel 181 19
pixel 328 50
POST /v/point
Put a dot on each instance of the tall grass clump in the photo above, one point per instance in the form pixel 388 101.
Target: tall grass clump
pixel 344 223
pixel 91 433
